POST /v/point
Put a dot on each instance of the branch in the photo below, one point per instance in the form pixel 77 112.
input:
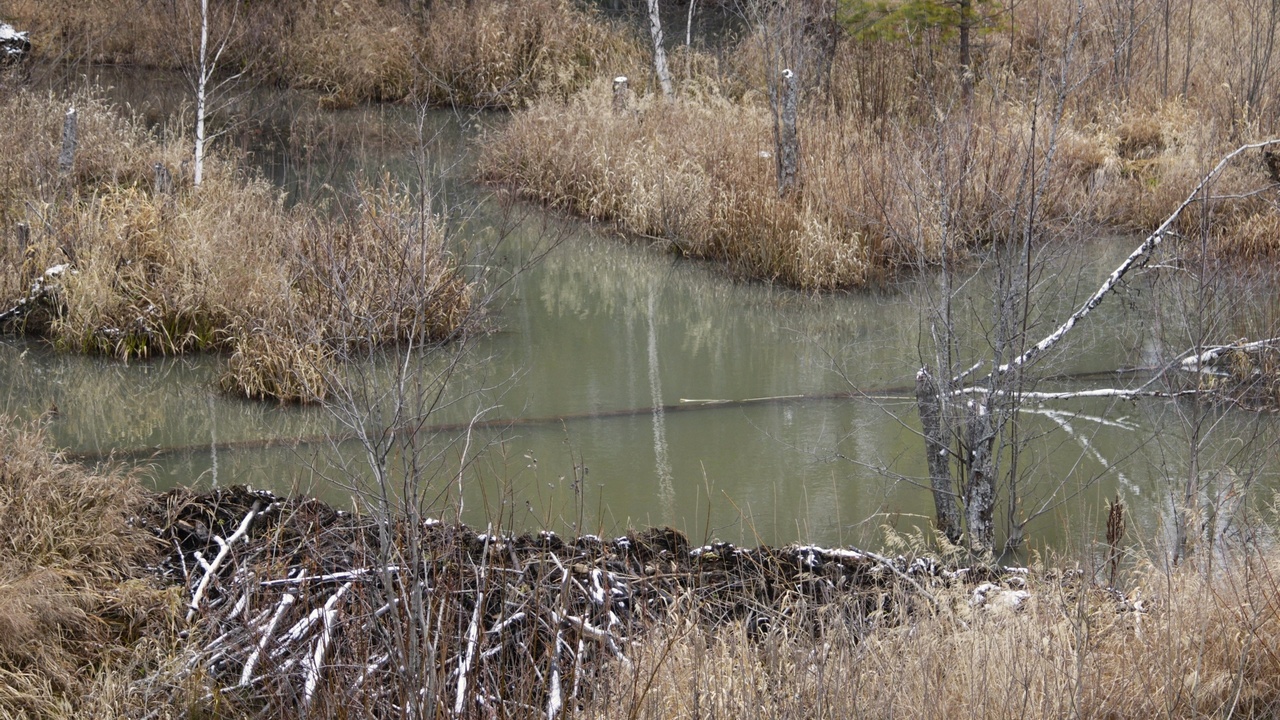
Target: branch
pixel 1120 393
pixel 1197 362
pixel 473 630
pixel 212 569
pixel 312 668
pixel 331 577
pixel 246 675
pixel 1138 256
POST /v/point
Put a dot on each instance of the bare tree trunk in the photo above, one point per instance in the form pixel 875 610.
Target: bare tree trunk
pixel 938 454
pixel 1186 74
pixel 201 84
pixel 980 486
pixel 1168 23
pixel 688 26
pixel 659 54
pixel 966 52
pixel 67 157
pixel 788 139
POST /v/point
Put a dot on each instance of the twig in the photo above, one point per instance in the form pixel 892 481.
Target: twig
pixel 247 673
pixel 473 631
pixel 312 669
pixel 240 532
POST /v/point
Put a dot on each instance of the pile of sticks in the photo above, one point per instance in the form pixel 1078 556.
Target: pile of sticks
pixel 300 607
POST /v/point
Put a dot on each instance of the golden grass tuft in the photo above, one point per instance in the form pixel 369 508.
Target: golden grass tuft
pixel 506 54
pixel 274 362
pixel 225 267
pixel 72 559
pixel 351 52
pixel 1205 644
pixel 377 275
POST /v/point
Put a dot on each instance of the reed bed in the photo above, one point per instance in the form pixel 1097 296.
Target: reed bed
pixel 486 53
pixel 899 167
pixel 121 255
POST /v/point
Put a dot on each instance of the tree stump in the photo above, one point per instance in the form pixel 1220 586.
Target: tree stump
pixel 14 45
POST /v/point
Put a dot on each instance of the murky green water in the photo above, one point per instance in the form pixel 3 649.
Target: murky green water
pixel 592 339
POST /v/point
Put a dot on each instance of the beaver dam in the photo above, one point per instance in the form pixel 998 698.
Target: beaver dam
pixel 298 605
pixel 116 601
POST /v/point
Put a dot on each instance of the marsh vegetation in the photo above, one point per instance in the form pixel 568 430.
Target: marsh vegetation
pixel 948 162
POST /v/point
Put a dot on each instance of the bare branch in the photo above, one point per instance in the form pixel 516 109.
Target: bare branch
pixel 1138 256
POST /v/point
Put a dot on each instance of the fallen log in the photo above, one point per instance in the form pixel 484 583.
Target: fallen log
pixel 1218 357
pixel 45 293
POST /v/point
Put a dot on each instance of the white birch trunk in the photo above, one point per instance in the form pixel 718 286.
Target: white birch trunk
pixel 688 26
pixel 201 84
pixel 659 54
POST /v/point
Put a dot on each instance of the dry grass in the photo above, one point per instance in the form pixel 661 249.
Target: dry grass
pixel 699 174
pixel 223 267
pixel 680 173
pixel 506 54
pixel 896 165
pixel 74 600
pixel 377 275
pixel 491 53
pixel 1204 645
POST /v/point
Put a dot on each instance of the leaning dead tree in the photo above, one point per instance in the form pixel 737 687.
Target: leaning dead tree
pixel 963 440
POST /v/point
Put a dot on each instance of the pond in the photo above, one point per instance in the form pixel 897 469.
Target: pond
pixel 622 386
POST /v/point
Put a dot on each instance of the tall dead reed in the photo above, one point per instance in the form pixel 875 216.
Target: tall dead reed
pixel 487 53
pixel 75 603
pixel 1185 642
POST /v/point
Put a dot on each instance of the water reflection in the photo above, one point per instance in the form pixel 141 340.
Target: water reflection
pixel 596 352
